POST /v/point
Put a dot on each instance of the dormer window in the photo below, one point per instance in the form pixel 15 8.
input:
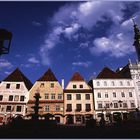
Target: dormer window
pixel 112 83
pixel 105 83
pixel 98 83
pixel 121 83
pixel 128 83
pixel 42 85
pixel 81 86
pixel 17 86
pixel 7 86
pixel 74 86
pixel 52 85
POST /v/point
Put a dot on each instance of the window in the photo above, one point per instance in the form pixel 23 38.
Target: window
pixel 132 104
pixel 100 105
pixel 47 108
pixel 17 86
pixel 87 96
pixel 57 107
pixel 115 105
pixel 81 86
pixel 7 86
pixel 99 95
pixel 121 83
pixel 88 107
pixel 106 95
pixel 69 97
pixel 98 83
pixel 122 93
pixel 114 94
pixel 69 107
pixel 105 83
pixel 8 108
pixel 59 96
pixel 124 105
pixel 112 83
pixel 128 83
pixel 46 96
pixel 18 109
pixel 11 98
pixel 78 107
pixel 22 98
pixel 52 96
pixel 1 97
pixel 16 98
pixel 74 86
pixel 130 94
pixel 107 105
pixel 42 85
pixel 78 96
pixel 52 85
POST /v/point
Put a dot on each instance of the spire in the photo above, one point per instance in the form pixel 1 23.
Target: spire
pixel 137 39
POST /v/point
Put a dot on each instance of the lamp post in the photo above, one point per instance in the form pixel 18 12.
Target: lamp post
pixel 5 41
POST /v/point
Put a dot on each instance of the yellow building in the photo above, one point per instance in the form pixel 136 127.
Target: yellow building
pixel 51 94
pixel 78 101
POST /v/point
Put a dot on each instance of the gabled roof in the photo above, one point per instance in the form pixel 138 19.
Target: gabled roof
pixel 125 72
pixel 77 77
pixel 48 76
pixel 18 76
pixel 107 73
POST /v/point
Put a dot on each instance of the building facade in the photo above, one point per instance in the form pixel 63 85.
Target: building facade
pixel 113 95
pixel 132 70
pixel 51 94
pixel 14 95
pixel 78 101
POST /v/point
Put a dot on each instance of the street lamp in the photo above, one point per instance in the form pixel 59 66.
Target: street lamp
pixel 5 41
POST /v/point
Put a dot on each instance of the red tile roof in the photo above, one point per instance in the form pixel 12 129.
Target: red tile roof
pixel 48 76
pixel 107 73
pixel 18 76
pixel 77 77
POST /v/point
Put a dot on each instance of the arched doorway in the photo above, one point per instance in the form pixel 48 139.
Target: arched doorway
pixel 70 119
pixel 117 116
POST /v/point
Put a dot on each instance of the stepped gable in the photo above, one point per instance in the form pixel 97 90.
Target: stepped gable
pixel 107 73
pixel 77 77
pixel 125 72
pixel 48 76
pixel 18 76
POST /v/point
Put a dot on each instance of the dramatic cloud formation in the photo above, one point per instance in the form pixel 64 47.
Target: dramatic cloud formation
pixel 70 19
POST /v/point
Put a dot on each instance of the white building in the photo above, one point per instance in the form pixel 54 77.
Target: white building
pixel 78 100
pixel 132 70
pixel 113 95
pixel 14 95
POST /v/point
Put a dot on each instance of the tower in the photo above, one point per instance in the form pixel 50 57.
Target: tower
pixel 137 40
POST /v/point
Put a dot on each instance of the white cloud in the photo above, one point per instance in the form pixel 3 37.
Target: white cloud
pixel 5 64
pixel 36 23
pixel 68 20
pixel 117 43
pixel 33 60
pixel 84 45
pixel 83 64
pixel 7 72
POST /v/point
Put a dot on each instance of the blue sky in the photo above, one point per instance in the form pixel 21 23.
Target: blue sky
pixel 68 37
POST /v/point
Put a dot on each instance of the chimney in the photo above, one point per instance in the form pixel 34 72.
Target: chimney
pixel 62 83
